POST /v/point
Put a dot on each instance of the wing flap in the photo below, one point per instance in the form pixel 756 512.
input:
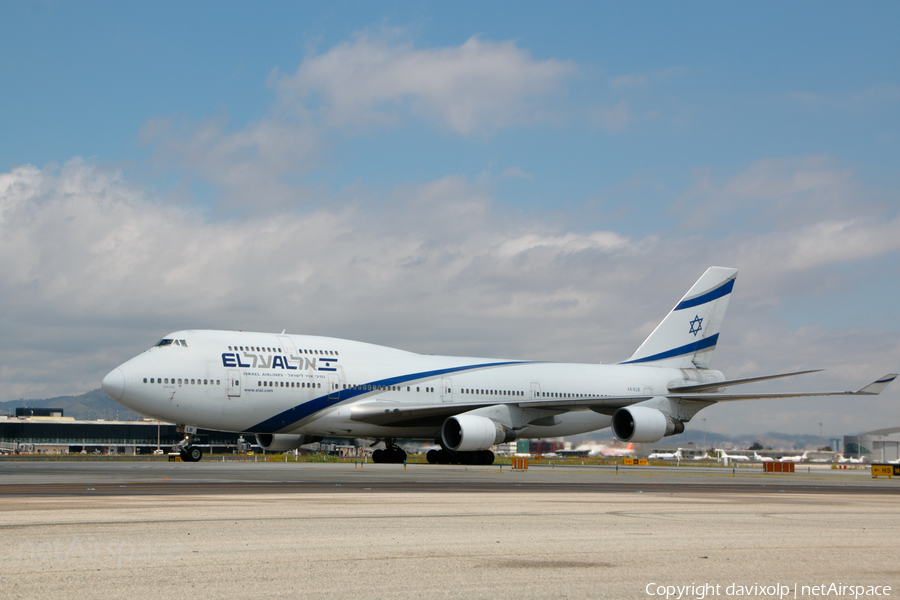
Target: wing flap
pixel 705 387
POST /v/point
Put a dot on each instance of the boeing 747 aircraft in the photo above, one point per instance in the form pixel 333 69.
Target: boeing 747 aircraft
pixel 291 390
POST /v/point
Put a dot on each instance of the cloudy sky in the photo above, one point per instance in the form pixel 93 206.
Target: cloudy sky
pixel 500 179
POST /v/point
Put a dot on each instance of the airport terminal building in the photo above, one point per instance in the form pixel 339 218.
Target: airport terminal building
pixel 55 434
pixel 880 445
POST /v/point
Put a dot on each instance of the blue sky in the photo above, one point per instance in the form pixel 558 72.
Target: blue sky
pixel 482 160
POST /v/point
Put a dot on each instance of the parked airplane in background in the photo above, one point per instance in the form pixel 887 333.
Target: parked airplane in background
pixel 758 458
pixel 732 457
pixel 291 390
pixel 856 461
pixel 666 455
pixel 795 459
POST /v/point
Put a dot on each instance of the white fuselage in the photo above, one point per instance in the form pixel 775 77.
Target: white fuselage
pixel 297 384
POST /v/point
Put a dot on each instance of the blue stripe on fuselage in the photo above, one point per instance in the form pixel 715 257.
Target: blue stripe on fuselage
pixel 680 351
pixel 301 411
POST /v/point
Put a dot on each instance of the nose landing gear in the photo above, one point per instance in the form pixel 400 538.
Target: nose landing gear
pixel 186 449
pixel 191 454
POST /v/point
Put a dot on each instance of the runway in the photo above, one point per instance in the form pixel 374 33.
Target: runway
pixel 27 478
pixel 132 529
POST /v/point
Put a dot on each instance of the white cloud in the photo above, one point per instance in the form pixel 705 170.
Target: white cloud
pixel 885 93
pixel 477 87
pixel 99 269
pixel 515 172
pixel 646 79
pixel 781 193
pixel 612 118
pixel 248 164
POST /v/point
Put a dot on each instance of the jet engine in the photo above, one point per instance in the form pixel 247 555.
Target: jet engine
pixel 282 442
pixel 642 424
pixel 465 433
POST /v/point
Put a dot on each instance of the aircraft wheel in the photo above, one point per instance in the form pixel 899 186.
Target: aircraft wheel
pixel 378 456
pixel 433 457
pixel 487 457
pixel 195 454
pixel 184 456
pixel 398 455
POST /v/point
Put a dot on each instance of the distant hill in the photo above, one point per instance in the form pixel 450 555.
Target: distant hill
pixel 88 406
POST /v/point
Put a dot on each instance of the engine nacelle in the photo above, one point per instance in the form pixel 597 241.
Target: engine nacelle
pixel 282 442
pixel 642 424
pixel 465 433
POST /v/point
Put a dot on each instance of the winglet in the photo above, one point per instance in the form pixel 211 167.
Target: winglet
pixel 876 387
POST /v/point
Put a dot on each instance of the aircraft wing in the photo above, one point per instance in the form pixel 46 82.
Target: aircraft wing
pixel 397 414
pixel 873 389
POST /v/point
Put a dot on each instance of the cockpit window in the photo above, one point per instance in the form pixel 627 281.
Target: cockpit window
pixel 164 342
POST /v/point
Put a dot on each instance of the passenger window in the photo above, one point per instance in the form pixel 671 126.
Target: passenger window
pixel 145 380
pixel 151 380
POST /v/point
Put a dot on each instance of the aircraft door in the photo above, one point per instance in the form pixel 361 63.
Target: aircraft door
pixel 446 390
pixel 287 347
pixel 334 386
pixel 234 383
pixel 535 389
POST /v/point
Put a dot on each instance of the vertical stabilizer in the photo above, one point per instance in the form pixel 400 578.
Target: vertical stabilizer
pixel 687 337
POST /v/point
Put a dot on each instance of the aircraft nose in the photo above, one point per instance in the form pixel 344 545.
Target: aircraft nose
pixel 114 384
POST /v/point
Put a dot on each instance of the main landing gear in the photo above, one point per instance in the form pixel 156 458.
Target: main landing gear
pixel 446 457
pixel 392 453
pixel 186 448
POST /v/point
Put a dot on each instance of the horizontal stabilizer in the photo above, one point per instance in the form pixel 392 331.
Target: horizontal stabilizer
pixel 877 386
pixel 705 387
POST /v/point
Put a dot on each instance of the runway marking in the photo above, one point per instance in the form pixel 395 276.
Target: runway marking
pixel 165 486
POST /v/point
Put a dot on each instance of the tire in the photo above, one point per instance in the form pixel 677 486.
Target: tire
pixel 378 456
pixel 195 454
pixel 433 457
